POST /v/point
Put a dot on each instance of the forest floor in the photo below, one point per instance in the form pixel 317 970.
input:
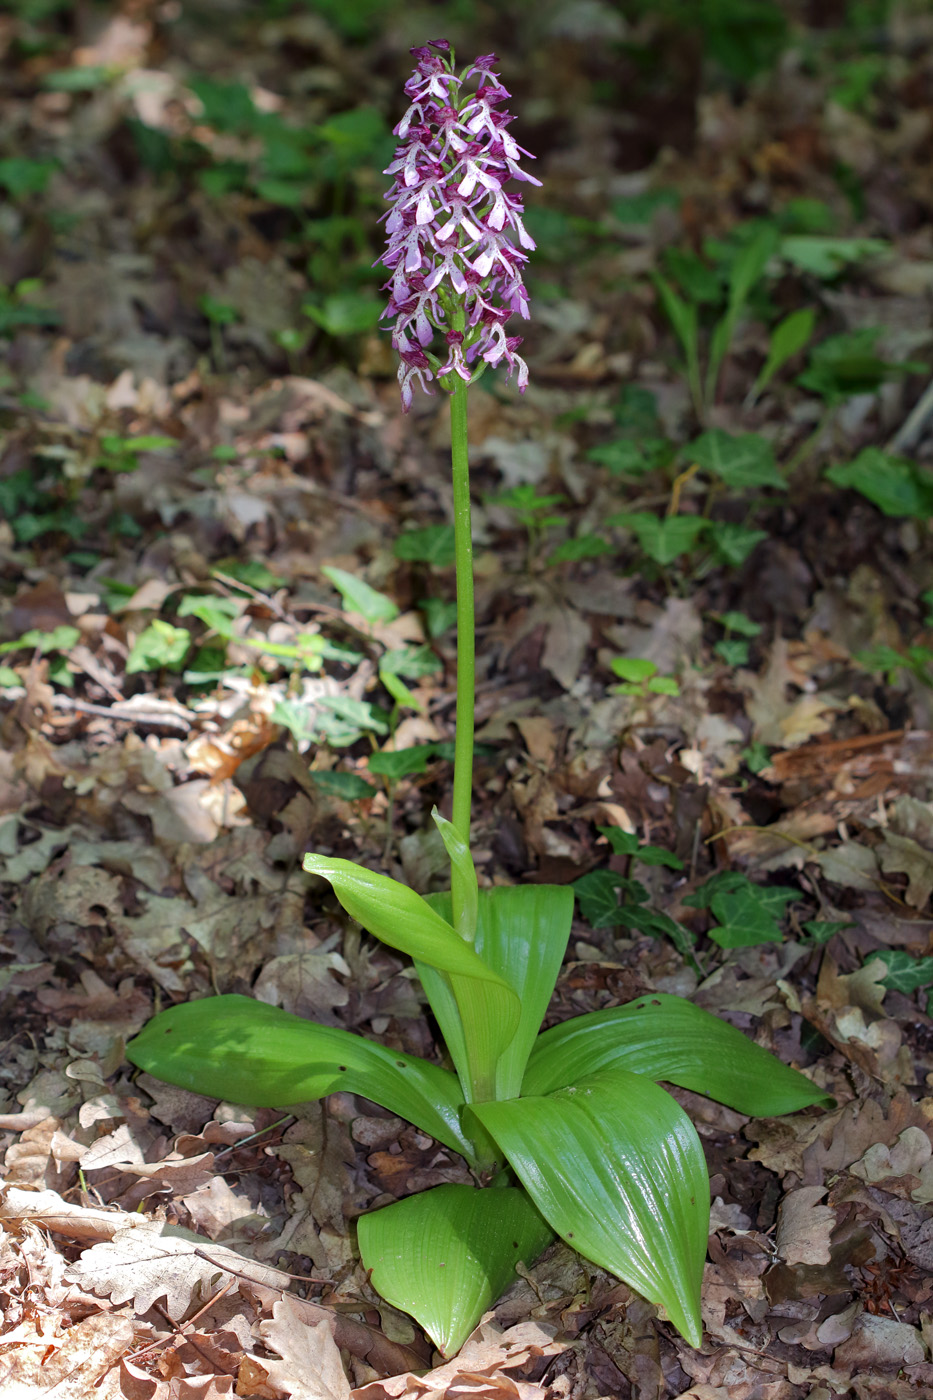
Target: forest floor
pixel 199 417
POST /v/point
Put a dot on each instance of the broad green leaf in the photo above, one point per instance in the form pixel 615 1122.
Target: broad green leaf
pixel 399 691
pixel 893 484
pixel 666 1037
pixel 663 540
pixel 744 461
pixel 159 644
pixel 633 668
pixel 486 1003
pixel 446 1255
pixel 358 597
pixel 615 1166
pixel 826 257
pixel 235 1048
pixel 399 917
pixel 787 339
pixel 521 933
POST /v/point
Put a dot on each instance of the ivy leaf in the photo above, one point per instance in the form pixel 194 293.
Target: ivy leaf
pixel 741 462
pixel 434 545
pixel 662 540
pixel 905 973
pixel 598 897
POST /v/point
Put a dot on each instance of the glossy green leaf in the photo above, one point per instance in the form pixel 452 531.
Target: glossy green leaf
pixel 446 1255
pixel 396 915
pixel 615 1166
pixel 667 1037
pixel 485 1002
pixel 235 1048
pixel 522 933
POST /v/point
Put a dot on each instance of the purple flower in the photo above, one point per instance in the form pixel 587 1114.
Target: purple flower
pixel 454 234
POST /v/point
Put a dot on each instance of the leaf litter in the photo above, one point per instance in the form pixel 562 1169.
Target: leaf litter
pixel 189 702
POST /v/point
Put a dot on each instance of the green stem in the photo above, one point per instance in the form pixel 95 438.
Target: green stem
pixel 466 640
pixel 806 447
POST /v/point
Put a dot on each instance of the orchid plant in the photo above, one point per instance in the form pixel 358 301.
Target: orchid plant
pixel 567 1133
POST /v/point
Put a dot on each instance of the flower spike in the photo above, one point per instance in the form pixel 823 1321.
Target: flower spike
pixel 454 234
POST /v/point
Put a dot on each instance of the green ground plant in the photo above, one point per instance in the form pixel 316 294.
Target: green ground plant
pixel 567 1132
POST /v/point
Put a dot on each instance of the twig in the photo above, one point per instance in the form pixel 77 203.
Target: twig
pixel 128 713
pixel 911 430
